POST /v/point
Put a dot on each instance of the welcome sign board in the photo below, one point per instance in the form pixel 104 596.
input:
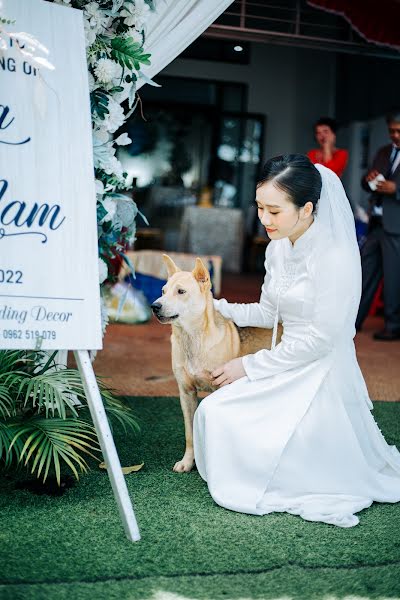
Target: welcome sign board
pixel 49 285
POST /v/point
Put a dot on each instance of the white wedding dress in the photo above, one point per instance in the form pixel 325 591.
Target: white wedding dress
pixel 296 434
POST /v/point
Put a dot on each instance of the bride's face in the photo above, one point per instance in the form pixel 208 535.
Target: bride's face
pixel 279 215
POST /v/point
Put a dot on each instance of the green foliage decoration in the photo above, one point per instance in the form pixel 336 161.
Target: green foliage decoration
pixel 42 415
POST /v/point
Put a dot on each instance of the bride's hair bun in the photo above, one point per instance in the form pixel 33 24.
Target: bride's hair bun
pixel 296 175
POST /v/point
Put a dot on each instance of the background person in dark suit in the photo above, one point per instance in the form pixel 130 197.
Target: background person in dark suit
pixel 380 254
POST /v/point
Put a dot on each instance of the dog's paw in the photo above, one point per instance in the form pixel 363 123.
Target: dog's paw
pixel 183 466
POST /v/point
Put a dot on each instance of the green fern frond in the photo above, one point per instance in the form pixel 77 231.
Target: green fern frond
pixel 122 413
pixel 54 391
pixel 128 53
pixel 9 452
pixel 50 442
pixel 39 408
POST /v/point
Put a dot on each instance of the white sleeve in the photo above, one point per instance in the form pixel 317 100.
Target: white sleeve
pixel 335 294
pixel 255 314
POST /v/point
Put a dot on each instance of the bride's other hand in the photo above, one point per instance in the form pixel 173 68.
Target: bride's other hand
pixel 229 372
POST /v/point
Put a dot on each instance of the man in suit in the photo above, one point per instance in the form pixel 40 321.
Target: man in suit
pixel 380 255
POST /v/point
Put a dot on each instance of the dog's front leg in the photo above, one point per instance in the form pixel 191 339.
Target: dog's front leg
pixel 189 403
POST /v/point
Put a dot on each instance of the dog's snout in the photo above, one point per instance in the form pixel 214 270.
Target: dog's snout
pixel 156 307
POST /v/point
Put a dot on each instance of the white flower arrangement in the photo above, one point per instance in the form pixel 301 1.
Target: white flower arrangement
pixel 106 70
pixel 115 39
pixel 103 270
pixel 135 14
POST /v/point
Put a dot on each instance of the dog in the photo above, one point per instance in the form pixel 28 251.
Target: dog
pixel 202 340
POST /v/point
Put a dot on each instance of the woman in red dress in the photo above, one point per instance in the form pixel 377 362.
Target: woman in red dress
pixel 327 154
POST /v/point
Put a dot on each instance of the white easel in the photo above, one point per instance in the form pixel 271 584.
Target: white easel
pixel 107 445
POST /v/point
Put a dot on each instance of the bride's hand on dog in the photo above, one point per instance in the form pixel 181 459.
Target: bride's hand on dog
pixel 229 372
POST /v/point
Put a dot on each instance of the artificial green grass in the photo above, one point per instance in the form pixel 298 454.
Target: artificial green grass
pixel 282 584
pixel 74 546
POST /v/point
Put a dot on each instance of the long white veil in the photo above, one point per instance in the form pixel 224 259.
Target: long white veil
pixel 335 215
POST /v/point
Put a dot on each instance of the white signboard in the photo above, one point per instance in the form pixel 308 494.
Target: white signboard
pixel 49 285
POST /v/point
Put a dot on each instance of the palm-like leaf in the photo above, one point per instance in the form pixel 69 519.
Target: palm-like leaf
pixel 39 409
pixel 54 391
pixel 18 361
pixel 6 401
pixel 122 413
pixel 48 442
pixel 14 365
pixel 9 452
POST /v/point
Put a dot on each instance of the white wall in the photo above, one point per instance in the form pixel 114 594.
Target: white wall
pixel 292 87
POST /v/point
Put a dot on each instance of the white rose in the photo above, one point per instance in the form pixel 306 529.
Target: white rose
pixel 97 18
pixel 99 185
pixel 103 271
pixel 137 14
pixel 113 167
pixel 102 152
pixel 110 206
pixel 129 15
pixel 90 34
pixel 100 136
pixel 142 12
pixel 115 117
pixel 126 213
pixel 123 140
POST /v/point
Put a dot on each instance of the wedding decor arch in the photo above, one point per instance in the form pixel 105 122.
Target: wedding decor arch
pixel 127 43
pixel 115 38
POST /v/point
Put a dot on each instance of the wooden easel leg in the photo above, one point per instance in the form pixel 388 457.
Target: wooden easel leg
pixel 107 445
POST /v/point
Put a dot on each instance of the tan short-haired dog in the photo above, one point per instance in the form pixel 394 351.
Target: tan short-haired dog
pixel 202 339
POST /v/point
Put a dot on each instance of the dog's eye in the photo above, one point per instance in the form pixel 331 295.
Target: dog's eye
pixel 181 291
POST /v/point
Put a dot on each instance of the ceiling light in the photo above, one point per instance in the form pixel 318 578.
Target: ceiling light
pixel 238 48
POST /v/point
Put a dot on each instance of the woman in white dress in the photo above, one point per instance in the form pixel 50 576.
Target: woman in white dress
pixel 290 428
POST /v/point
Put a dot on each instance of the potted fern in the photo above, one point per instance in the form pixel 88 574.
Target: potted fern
pixel 42 416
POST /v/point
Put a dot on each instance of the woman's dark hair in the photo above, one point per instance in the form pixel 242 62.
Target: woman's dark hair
pixel 328 122
pixel 295 175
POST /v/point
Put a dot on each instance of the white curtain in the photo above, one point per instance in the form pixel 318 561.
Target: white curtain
pixel 173 26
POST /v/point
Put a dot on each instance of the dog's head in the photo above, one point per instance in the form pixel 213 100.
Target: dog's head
pixel 184 296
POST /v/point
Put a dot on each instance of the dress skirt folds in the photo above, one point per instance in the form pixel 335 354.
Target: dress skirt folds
pixel 296 434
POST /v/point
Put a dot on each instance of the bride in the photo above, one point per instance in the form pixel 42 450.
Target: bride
pixel 290 428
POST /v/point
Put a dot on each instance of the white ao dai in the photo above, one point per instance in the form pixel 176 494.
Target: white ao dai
pixel 296 434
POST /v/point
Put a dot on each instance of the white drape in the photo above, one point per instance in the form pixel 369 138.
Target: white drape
pixel 173 26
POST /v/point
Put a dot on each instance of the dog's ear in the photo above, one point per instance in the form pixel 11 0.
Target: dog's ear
pixel 171 266
pixel 201 273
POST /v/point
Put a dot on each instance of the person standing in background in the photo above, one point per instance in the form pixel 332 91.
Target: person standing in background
pixel 380 255
pixel 327 154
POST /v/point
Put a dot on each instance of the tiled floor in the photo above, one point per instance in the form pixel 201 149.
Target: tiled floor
pixel 136 359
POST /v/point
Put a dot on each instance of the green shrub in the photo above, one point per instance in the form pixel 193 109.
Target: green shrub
pixel 41 423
